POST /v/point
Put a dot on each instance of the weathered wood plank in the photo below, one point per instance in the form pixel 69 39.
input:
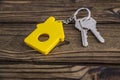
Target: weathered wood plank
pixel 18 19
pixel 52 72
pixel 59 72
pixel 35 11
pixel 12 36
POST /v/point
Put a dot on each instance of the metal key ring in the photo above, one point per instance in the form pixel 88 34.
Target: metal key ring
pixel 89 13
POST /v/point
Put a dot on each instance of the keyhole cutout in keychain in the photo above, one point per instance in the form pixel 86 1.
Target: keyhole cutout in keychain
pixel 43 37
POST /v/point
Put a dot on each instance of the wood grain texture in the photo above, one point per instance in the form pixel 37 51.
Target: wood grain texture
pixel 57 72
pixel 38 10
pixel 39 72
pixel 68 60
pixel 12 36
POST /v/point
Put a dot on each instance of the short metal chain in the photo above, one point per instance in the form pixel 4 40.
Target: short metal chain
pixel 68 20
pixel 73 17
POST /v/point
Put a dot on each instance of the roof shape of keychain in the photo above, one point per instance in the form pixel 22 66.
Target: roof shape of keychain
pixel 51 29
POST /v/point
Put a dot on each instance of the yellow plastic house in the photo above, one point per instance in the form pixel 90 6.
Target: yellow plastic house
pixel 51 28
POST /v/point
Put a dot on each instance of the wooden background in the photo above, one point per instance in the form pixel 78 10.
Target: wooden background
pixel 69 60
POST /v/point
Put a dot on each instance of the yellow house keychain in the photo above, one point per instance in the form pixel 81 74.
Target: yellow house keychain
pixel 52 29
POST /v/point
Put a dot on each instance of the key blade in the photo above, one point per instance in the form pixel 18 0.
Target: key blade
pixel 78 25
pixel 84 37
pixel 97 35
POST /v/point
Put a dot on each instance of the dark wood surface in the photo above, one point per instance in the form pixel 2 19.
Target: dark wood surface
pixel 69 60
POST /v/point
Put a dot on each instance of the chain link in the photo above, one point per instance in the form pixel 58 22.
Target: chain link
pixel 68 20
pixel 73 17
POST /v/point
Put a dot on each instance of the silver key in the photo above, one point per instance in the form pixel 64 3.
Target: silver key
pixel 85 24
pixel 78 25
pixel 90 24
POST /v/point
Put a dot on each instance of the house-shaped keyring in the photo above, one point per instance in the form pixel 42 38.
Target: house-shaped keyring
pixel 50 28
